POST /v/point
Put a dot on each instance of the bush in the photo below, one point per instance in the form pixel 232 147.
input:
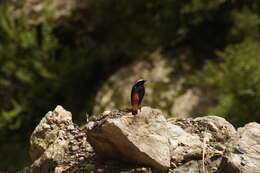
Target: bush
pixel 26 55
pixel 236 82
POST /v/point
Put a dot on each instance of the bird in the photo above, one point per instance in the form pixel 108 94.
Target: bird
pixel 137 94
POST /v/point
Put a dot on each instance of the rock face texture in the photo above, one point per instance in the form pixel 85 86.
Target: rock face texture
pixel 142 139
pixel 54 140
pixel 48 131
pixel 243 153
pixel 118 142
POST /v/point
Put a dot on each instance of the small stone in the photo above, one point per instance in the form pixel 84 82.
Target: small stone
pixel 70 127
pixel 90 125
pixel 81 158
pixel 70 136
pixel 74 147
pixel 214 169
pixel 106 112
pixel 46 126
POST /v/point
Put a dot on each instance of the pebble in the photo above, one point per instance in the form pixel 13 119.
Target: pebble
pixel 71 137
pixel 80 135
pixel 106 112
pixel 81 158
pixel 46 126
pixel 73 141
pixel 70 127
pixel 74 147
pixel 90 125
pixel 53 126
pixel 81 154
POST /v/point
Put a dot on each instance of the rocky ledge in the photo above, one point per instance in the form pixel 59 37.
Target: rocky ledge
pixel 118 142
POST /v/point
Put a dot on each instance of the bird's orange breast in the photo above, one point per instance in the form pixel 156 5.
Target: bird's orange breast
pixel 136 101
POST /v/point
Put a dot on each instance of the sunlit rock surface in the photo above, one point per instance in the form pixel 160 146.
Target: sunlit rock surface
pixel 243 153
pixel 118 142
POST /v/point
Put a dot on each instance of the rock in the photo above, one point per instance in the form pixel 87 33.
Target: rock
pixel 243 153
pixel 43 135
pixel 60 146
pixel 202 137
pixel 141 139
pixel 145 143
pixel 183 144
pixel 189 167
pixel 51 140
pixel 220 129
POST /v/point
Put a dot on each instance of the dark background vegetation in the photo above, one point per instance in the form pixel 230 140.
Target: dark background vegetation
pixel 65 61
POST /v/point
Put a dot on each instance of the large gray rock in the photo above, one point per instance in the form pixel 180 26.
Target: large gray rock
pixel 146 138
pixel 141 139
pixel 243 153
pixel 183 144
pixel 205 144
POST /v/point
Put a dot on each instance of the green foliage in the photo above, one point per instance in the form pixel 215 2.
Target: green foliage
pixel 26 55
pixel 246 24
pixel 236 81
pixel 24 61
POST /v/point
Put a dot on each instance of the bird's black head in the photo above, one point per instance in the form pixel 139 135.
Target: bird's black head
pixel 140 82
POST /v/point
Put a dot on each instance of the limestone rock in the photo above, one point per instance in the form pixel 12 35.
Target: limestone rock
pixel 141 139
pixel 53 140
pixel 218 126
pixel 243 154
pixel 145 143
pixel 48 131
pixel 203 137
pixel 183 144
pixel 189 167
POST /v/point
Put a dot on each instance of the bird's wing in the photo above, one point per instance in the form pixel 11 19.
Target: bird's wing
pixel 142 92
